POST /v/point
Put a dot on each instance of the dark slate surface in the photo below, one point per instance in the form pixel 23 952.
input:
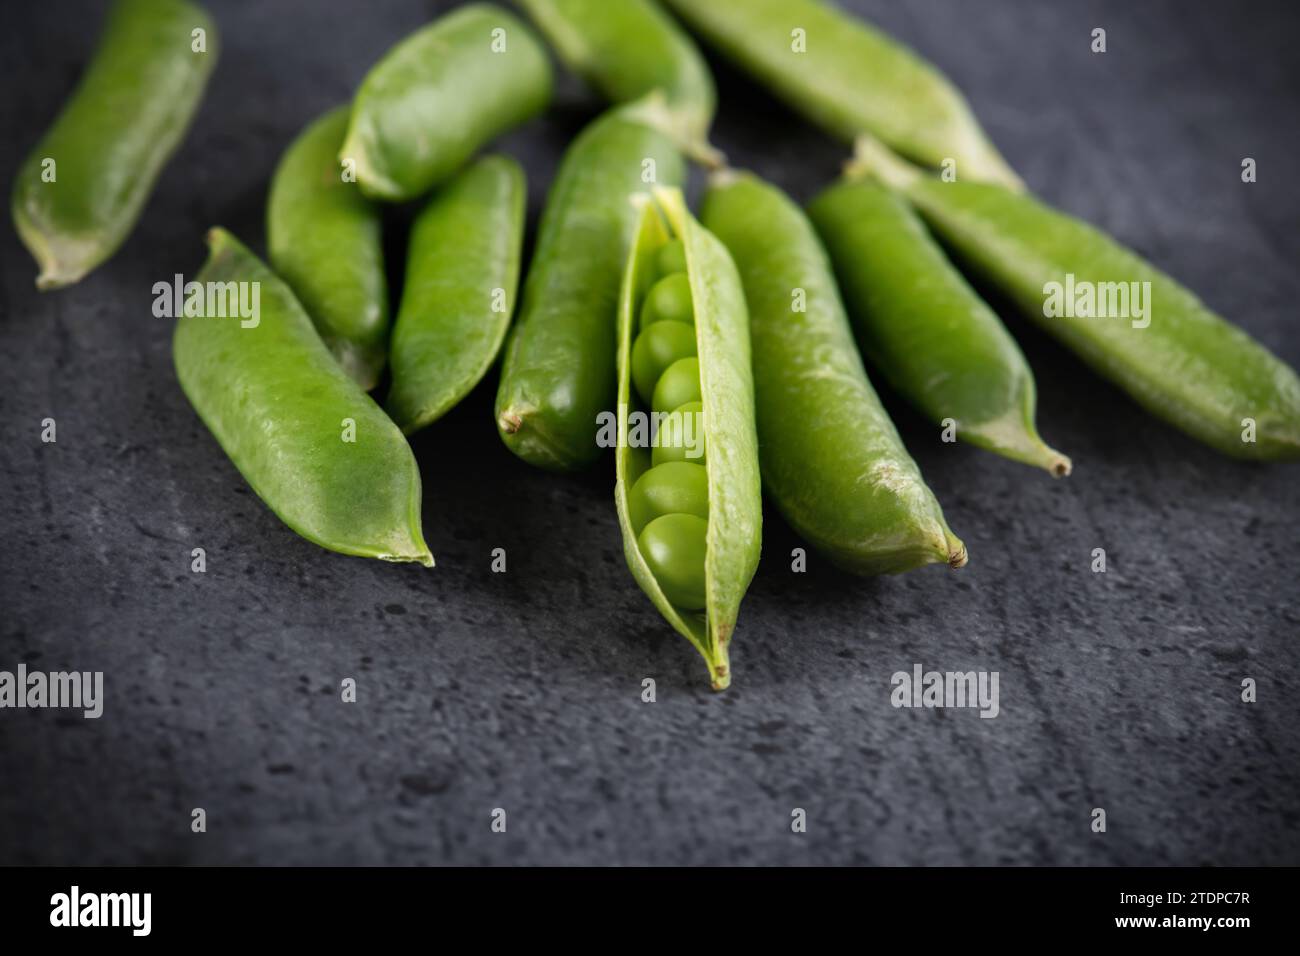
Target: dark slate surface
pixel 522 690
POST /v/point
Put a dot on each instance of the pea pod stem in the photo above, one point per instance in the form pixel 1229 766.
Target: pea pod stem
pixel 654 111
pixel 872 158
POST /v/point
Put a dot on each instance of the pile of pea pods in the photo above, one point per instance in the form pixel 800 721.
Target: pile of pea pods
pixel 719 353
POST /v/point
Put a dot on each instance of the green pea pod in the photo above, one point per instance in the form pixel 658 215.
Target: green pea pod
pixel 1175 357
pixel 462 270
pixel 325 240
pixel 832 459
pixel 80 192
pixel 558 374
pixel 628 49
pixel 440 95
pixel 724 381
pixel 849 78
pixel 310 442
pixel 919 321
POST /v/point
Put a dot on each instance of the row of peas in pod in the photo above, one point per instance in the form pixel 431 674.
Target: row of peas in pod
pixel 669 504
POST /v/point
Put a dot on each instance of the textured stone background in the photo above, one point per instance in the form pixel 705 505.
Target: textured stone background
pixel 480 690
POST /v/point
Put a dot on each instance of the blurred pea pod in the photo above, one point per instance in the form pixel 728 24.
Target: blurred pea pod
pixel 832 460
pixel 849 78
pixel 922 325
pixel 626 50
pixel 441 94
pixel 325 240
pixel 313 445
pixel 81 190
pixel 1175 357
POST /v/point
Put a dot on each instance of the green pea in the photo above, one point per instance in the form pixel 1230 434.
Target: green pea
pixel 558 376
pixel 307 439
pixel 923 326
pixel 628 48
pixel 439 95
pixel 669 300
pixel 463 254
pixel 682 436
pixel 675 487
pixel 1175 357
pixel 679 384
pixel 324 239
pixel 657 347
pixel 82 189
pixel 831 458
pixel 674 547
pixel 851 79
pixel 670 259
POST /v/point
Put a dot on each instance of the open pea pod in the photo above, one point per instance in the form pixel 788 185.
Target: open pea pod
pixel 686 468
